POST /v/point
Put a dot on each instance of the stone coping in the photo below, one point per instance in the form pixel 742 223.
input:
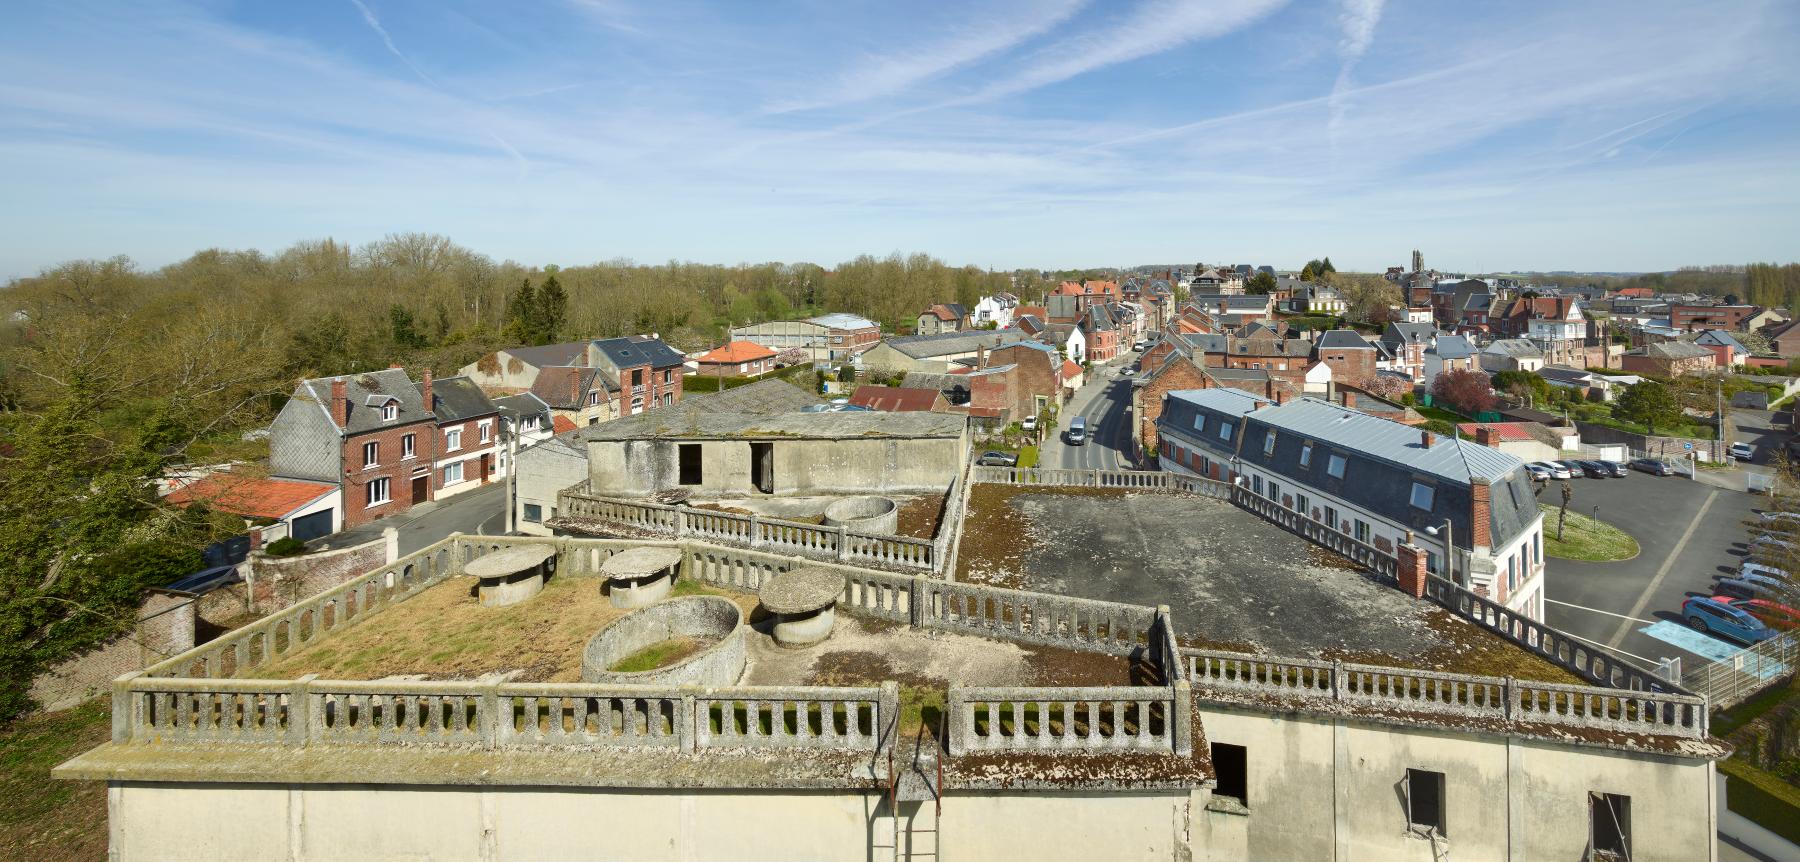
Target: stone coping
pixel 640 561
pixel 510 561
pixel 801 590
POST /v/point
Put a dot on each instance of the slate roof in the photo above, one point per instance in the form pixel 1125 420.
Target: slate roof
pixel 842 320
pixel 1183 408
pixel 1516 347
pixel 250 496
pixel 1401 333
pixel 637 350
pixel 945 344
pixel 1565 374
pixel 455 399
pixel 1452 347
pixel 1344 339
pixel 569 353
pixel 566 387
pixel 388 383
pixel 1721 338
pixel 1671 350
pixel 522 406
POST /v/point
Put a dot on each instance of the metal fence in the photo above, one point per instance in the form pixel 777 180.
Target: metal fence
pixel 1733 679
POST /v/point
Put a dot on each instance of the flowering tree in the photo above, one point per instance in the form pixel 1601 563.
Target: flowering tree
pixel 1467 392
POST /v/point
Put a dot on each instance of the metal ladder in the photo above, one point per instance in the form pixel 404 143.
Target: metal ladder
pixel 918 781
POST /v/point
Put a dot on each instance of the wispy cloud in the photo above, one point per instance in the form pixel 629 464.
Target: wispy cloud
pixel 374 23
pixel 1357 21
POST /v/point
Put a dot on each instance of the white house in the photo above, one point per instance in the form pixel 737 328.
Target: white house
pixel 996 309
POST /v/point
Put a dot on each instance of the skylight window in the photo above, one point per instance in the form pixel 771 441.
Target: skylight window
pixel 1423 496
pixel 1335 466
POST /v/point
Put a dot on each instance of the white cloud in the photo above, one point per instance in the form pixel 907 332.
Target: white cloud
pixel 374 23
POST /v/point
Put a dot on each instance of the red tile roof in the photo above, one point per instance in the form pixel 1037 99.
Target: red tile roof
pixel 1070 369
pixel 248 495
pixel 736 352
pixel 560 424
pixel 894 399
pixel 1503 430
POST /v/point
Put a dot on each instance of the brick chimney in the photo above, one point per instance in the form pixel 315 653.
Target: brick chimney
pixel 1411 570
pixel 426 386
pixel 981 356
pixel 575 388
pixel 340 402
pixel 1281 395
pixel 1349 398
pixel 1424 439
pixel 1486 437
pixel 1480 513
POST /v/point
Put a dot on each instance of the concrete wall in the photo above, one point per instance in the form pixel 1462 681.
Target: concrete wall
pixel 855 465
pixel 274 583
pixel 544 470
pixel 1331 789
pixel 319 822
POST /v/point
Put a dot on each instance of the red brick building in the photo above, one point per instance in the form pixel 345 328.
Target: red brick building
pixel 1689 318
pixel 370 434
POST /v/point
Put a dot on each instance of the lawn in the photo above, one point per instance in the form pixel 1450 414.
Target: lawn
pixel 1586 539
pixel 44 819
pixel 1440 414
pixel 1028 456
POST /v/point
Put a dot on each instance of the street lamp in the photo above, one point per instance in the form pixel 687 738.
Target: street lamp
pixel 1449 549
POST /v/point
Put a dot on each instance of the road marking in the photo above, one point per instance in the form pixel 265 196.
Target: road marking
pixel 1662 571
pixel 1597 610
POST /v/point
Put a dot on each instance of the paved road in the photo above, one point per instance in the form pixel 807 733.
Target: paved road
pixel 1689 533
pixel 481 511
pixel 1105 403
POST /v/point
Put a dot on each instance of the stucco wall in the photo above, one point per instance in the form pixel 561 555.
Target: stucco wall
pixel 1323 789
pixel 544 470
pixel 855 465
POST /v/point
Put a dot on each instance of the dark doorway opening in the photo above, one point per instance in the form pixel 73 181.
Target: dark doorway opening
pixel 689 455
pixel 762 467
pixel 421 489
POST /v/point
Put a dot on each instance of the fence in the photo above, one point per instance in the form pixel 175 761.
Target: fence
pixel 308 711
pixel 1148 480
pixel 1567 652
pixel 1733 679
pixel 1093 718
pixel 1317 532
pixel 752 531
pixel 1414 692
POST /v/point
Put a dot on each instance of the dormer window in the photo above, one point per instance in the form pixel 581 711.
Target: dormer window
pixel 390 411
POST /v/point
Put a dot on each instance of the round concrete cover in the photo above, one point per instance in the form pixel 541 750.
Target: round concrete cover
pixel 510 561
pixel 801 591
pixel 638 562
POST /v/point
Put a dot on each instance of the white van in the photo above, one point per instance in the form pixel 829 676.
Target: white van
pixel 1078 431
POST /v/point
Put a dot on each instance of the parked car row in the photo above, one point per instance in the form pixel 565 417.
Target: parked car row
pixel 1544 471
pixel 1751 605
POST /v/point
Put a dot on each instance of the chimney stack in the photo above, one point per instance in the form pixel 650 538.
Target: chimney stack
pixel 430 406
pixel 1480 513
pixel 575 388
pixel 340 402
pixel 1349 399
pixel 1485 436
pixel 981 356
pixel 1424 439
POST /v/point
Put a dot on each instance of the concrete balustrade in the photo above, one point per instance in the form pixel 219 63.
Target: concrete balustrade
pixel 1129 479
pixel 1087 719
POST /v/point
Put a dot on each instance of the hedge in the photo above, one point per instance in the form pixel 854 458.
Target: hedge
pixel 1762 798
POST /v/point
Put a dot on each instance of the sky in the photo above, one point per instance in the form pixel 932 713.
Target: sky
pixel 1596 135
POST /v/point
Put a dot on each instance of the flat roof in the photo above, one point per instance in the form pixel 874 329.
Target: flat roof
pixel 664 423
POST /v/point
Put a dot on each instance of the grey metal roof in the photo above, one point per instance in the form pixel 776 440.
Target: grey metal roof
pixel 945 344
pixel 523 405
pixel 666 423
pixel 1721 338
pixel 1341 339
pixel 1389 441
pixel 1453 347
pixel 1565 374
pixel 1401 333
pixel 842 320
pixel 1513 347
pixel 571 353
pixel 635 350
pixel 454 399
pixel 388 382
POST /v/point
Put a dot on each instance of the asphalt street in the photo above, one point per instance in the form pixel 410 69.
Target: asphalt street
pixel 1105 402
pixel 1689 533
pixel 478 512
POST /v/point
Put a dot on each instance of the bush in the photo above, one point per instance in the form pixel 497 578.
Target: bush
pixel 286 546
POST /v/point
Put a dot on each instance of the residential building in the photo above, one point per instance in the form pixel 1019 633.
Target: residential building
pixel 516 369
pixel 941 318
pixel 1668 359
pixel 1231 310
pixel 577 394
pixel 1605 387
pixel 468 433
pixel 1312 298
pixel 1693 316
pixel 735 359
pixel 1406 344
pixel 1068 338
pixel 1198 431
pixel 1100 325
pixel 828 339
pixel 1351 358
pixel 1382 484
pixel 1727 351
pixel 648 373
pixel 1786 338
pixel 526 421
pixel 369 434
pixel 1511 354
pixel 272 508
pixel 940 353
pixel 1042 373
pixel 995 311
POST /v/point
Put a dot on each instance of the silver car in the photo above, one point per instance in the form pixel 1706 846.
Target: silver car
pixel 1555 470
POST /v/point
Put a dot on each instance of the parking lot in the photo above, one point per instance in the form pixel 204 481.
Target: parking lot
pixel 1689 533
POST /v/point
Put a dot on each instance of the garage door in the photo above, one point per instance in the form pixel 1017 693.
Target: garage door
pixel 312 526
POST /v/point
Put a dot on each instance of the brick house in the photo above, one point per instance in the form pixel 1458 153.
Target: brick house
pixel 646 372
pixel 468 434
pixel 576 394
pixel 1103 333
pixel 1689 317
pixel 1786 338
pixel 941 318
pixel 1350 357
pixel 1038 379
pixel 1668 359
pixel 370 434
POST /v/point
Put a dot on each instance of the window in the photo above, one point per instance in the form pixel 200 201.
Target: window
pixel 453 473
pixel 668 399
pixel 637 377
pixel 637 404
pixel 1274 490
pixel 1231 767
pixel 1431 562
pixel 1609 826
pixel 593 397
pixel 486 430
pixel 371 453
pixel 1205 465
pixel 1331 518
pixel 390 411
pixel 1334 466
pixel 1225 429
pixel 1422 496
pixel 1200 422
pixel 377 491
pixel 1301 504
pixel 406 446
pixel 534 513
pixel 1425 802
pixel 1362 531
pixel 1256 484
pixel 1306 454
pixel 666 377
pixel 689 455
pixel 1269 443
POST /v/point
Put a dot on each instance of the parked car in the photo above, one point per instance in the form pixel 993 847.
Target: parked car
pixel 1769 546
pixel 1538 472
pixel 1617 469
pixel 1078 431
pixel 1773 614
pixel 1594 469
pixel 1747 588
pixel 1716 616
pixel 1743 451
pixel 998 459
pixel 1576 471
pixel 1789 518
pixel 1556 470
pixel 1029 423
pixel 1653 466
pixel 1771 572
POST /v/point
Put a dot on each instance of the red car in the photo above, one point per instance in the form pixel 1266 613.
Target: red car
pixel 1772 614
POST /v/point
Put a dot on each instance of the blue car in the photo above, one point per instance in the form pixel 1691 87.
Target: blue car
pixel 1715 617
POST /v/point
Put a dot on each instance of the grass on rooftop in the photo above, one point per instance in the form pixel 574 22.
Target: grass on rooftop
pixel 659 654
pixel 42 819
pixel 1584 538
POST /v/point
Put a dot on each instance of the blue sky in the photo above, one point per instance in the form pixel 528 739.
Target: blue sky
pixel 1590 135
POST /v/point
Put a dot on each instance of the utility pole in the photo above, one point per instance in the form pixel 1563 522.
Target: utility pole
pixel 512 470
